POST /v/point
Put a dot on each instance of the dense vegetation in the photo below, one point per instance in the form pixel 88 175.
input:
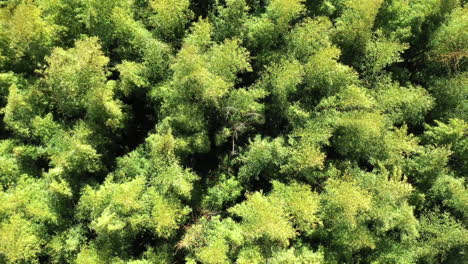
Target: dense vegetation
pixel 233 131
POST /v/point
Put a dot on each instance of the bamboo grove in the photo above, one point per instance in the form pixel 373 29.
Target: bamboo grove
pixel 233 131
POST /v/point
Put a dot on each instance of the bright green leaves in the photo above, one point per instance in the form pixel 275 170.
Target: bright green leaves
pixel 104 109
pixel 267 225
pixel 453 133
pixel 352 98
pixel 132 77
pixel 169 176
pixel 452 192
pixel 262 218
pixel 391 196
pixel 171 16
pixel 429 164
pixel 353 27
pixel 265 30
pixel 405 19
pixel 453 136
pixel 449 43
pixel 157 162
pixel 301 256
pixel 400 145
pixel 228 59
pixel 441 235
pixel 208 76
pixel 6 81
pixel 139 44
pixel 266 159
pixel 263 159
pixel 29 212
pixel 146 193
pixel 66 244
pixel 309 37
pixel 128 208
pixel 229 20
pixel 282 79
pixel 299 202
pixel 369 211
pixel 203 82
pixel 360 135
pixel 95 17
pixel 76 81
pixel 404 105
pixel 360 120
pixel 251 131
pixel 10 170
pixel 30 199
pixel 226 190
pixel 451 97
pixel 283 12
pixel 20 241
pixel 343 202
pixel 193 78
pixel 84 64
pixel 26 34
pixel 209 241
pixel 18 111
pixel 379 53
pixel 324 76
pixel 200 36
pixel 72 153
pixel 242 112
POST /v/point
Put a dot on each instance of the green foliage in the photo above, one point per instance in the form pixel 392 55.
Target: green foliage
pixel 441 236
pixel 261 157
pixel 282 79
pixel 353 27
pixel 66 244
pixel 28 212
pixel 171 16
pixel 283 12
pixel 229 20
pixel 205 73
pixel 75 79
pixel 370 211
pixel 452 135
pixel 10 170
pixel 404 105
pixel 360 135
pixel 343 205
pixel 26 35
pixel 20 241
pixel 310 37
pixel 70 153
pixel 292 255
pixel 351 98
pixel 449 41
pixel 18 111
pixel 225 191
pixel 127 208
pixel 452 192
pixel 406 19
pixel 379 53
pixel 139 44
pixel 324 76
pixel 299 202
pixel 233 131
pixel 265 30
pixel 451 96
pixel 261 218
